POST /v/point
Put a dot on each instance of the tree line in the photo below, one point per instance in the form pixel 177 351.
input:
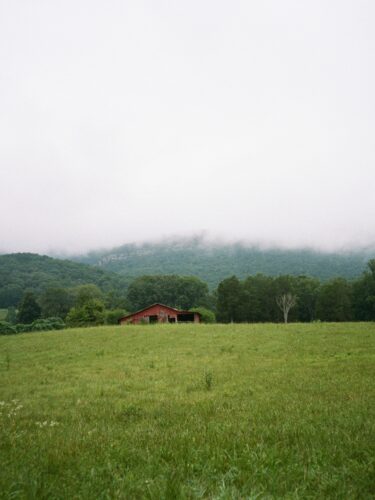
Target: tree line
pixel 88 305
pixel 259 298
pixel 255 299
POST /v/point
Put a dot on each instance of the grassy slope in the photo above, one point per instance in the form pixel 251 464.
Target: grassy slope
pixel 189 411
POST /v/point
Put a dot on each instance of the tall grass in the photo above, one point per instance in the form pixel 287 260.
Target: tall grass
pixel 189 411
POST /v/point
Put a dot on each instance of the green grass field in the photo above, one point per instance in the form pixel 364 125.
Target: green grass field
pixel 189 411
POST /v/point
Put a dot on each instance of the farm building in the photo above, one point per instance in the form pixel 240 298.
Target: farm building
pixel 159 313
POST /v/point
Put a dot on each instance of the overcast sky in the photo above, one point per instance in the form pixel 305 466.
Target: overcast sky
pixel 125 121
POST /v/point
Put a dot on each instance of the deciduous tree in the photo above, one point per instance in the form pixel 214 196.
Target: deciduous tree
pixel 28 310
pixel 285 303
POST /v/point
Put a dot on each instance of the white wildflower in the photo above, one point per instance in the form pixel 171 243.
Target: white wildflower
pixel 46 423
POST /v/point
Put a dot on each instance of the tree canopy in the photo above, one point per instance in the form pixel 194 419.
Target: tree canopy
pixel 182 292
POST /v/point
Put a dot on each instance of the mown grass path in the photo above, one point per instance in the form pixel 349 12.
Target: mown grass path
pixel 189 411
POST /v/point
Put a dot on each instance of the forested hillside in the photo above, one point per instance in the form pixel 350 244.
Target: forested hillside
pixel 215 262
pixel 36 273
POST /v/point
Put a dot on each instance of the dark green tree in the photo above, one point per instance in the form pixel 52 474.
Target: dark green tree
pixel 112 317
pixel 56 302
pixel 28 310
pixel 176 291
pixel 258 299
pixel 86 293
pixel 11 294
pixel 6 328
pixel 307 290
pixel 364 295
pixel 90 314
pixel 335 301
pixel 230 301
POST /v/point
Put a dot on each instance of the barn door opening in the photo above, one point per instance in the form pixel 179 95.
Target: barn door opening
pixel 185 317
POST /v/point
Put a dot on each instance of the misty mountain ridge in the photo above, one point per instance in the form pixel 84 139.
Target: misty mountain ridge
pixel 213 261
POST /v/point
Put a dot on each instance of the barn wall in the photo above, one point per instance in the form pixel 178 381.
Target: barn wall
pixel 156 310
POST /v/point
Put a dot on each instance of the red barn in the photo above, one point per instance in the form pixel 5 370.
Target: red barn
pixel 159 313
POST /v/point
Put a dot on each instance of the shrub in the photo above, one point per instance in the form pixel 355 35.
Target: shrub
pixel 112 317
pixel 56 323
pixel 6 328
pixel 92 313
pixel 40 325
pixel 47 324
pixel 207 316
pixel 22 328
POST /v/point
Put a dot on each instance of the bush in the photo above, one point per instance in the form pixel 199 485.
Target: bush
pixel 22 328
pixel 40 325
pixel 112 317
pixel 91 314
pixel 56 323
pixel 6 328
pixel 207 316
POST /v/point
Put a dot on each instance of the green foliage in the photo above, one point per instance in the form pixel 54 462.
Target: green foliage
pixel 112 317
pixel 208 380
pixel 230 299
pixel 6 328
pixel 364 295
pixel 11 316
pixel 28 309
pixel 23 328
pixel 87 293
pixel 335 301
pixel 307 291
pixel 207 316
pixel 58 285
pixel 40 325
pixel 255 299
pixel 258 299
pixel 214 262
pixel 90 313
pixel 189 411
pixel 10 293
pixel 56 302
pixel 176 291
pixel 46 324
pixel 27 271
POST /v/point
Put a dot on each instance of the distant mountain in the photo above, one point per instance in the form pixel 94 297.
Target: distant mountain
pixel 214 262
pixel 28 271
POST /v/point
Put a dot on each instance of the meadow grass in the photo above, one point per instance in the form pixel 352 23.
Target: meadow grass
pixel 189 411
